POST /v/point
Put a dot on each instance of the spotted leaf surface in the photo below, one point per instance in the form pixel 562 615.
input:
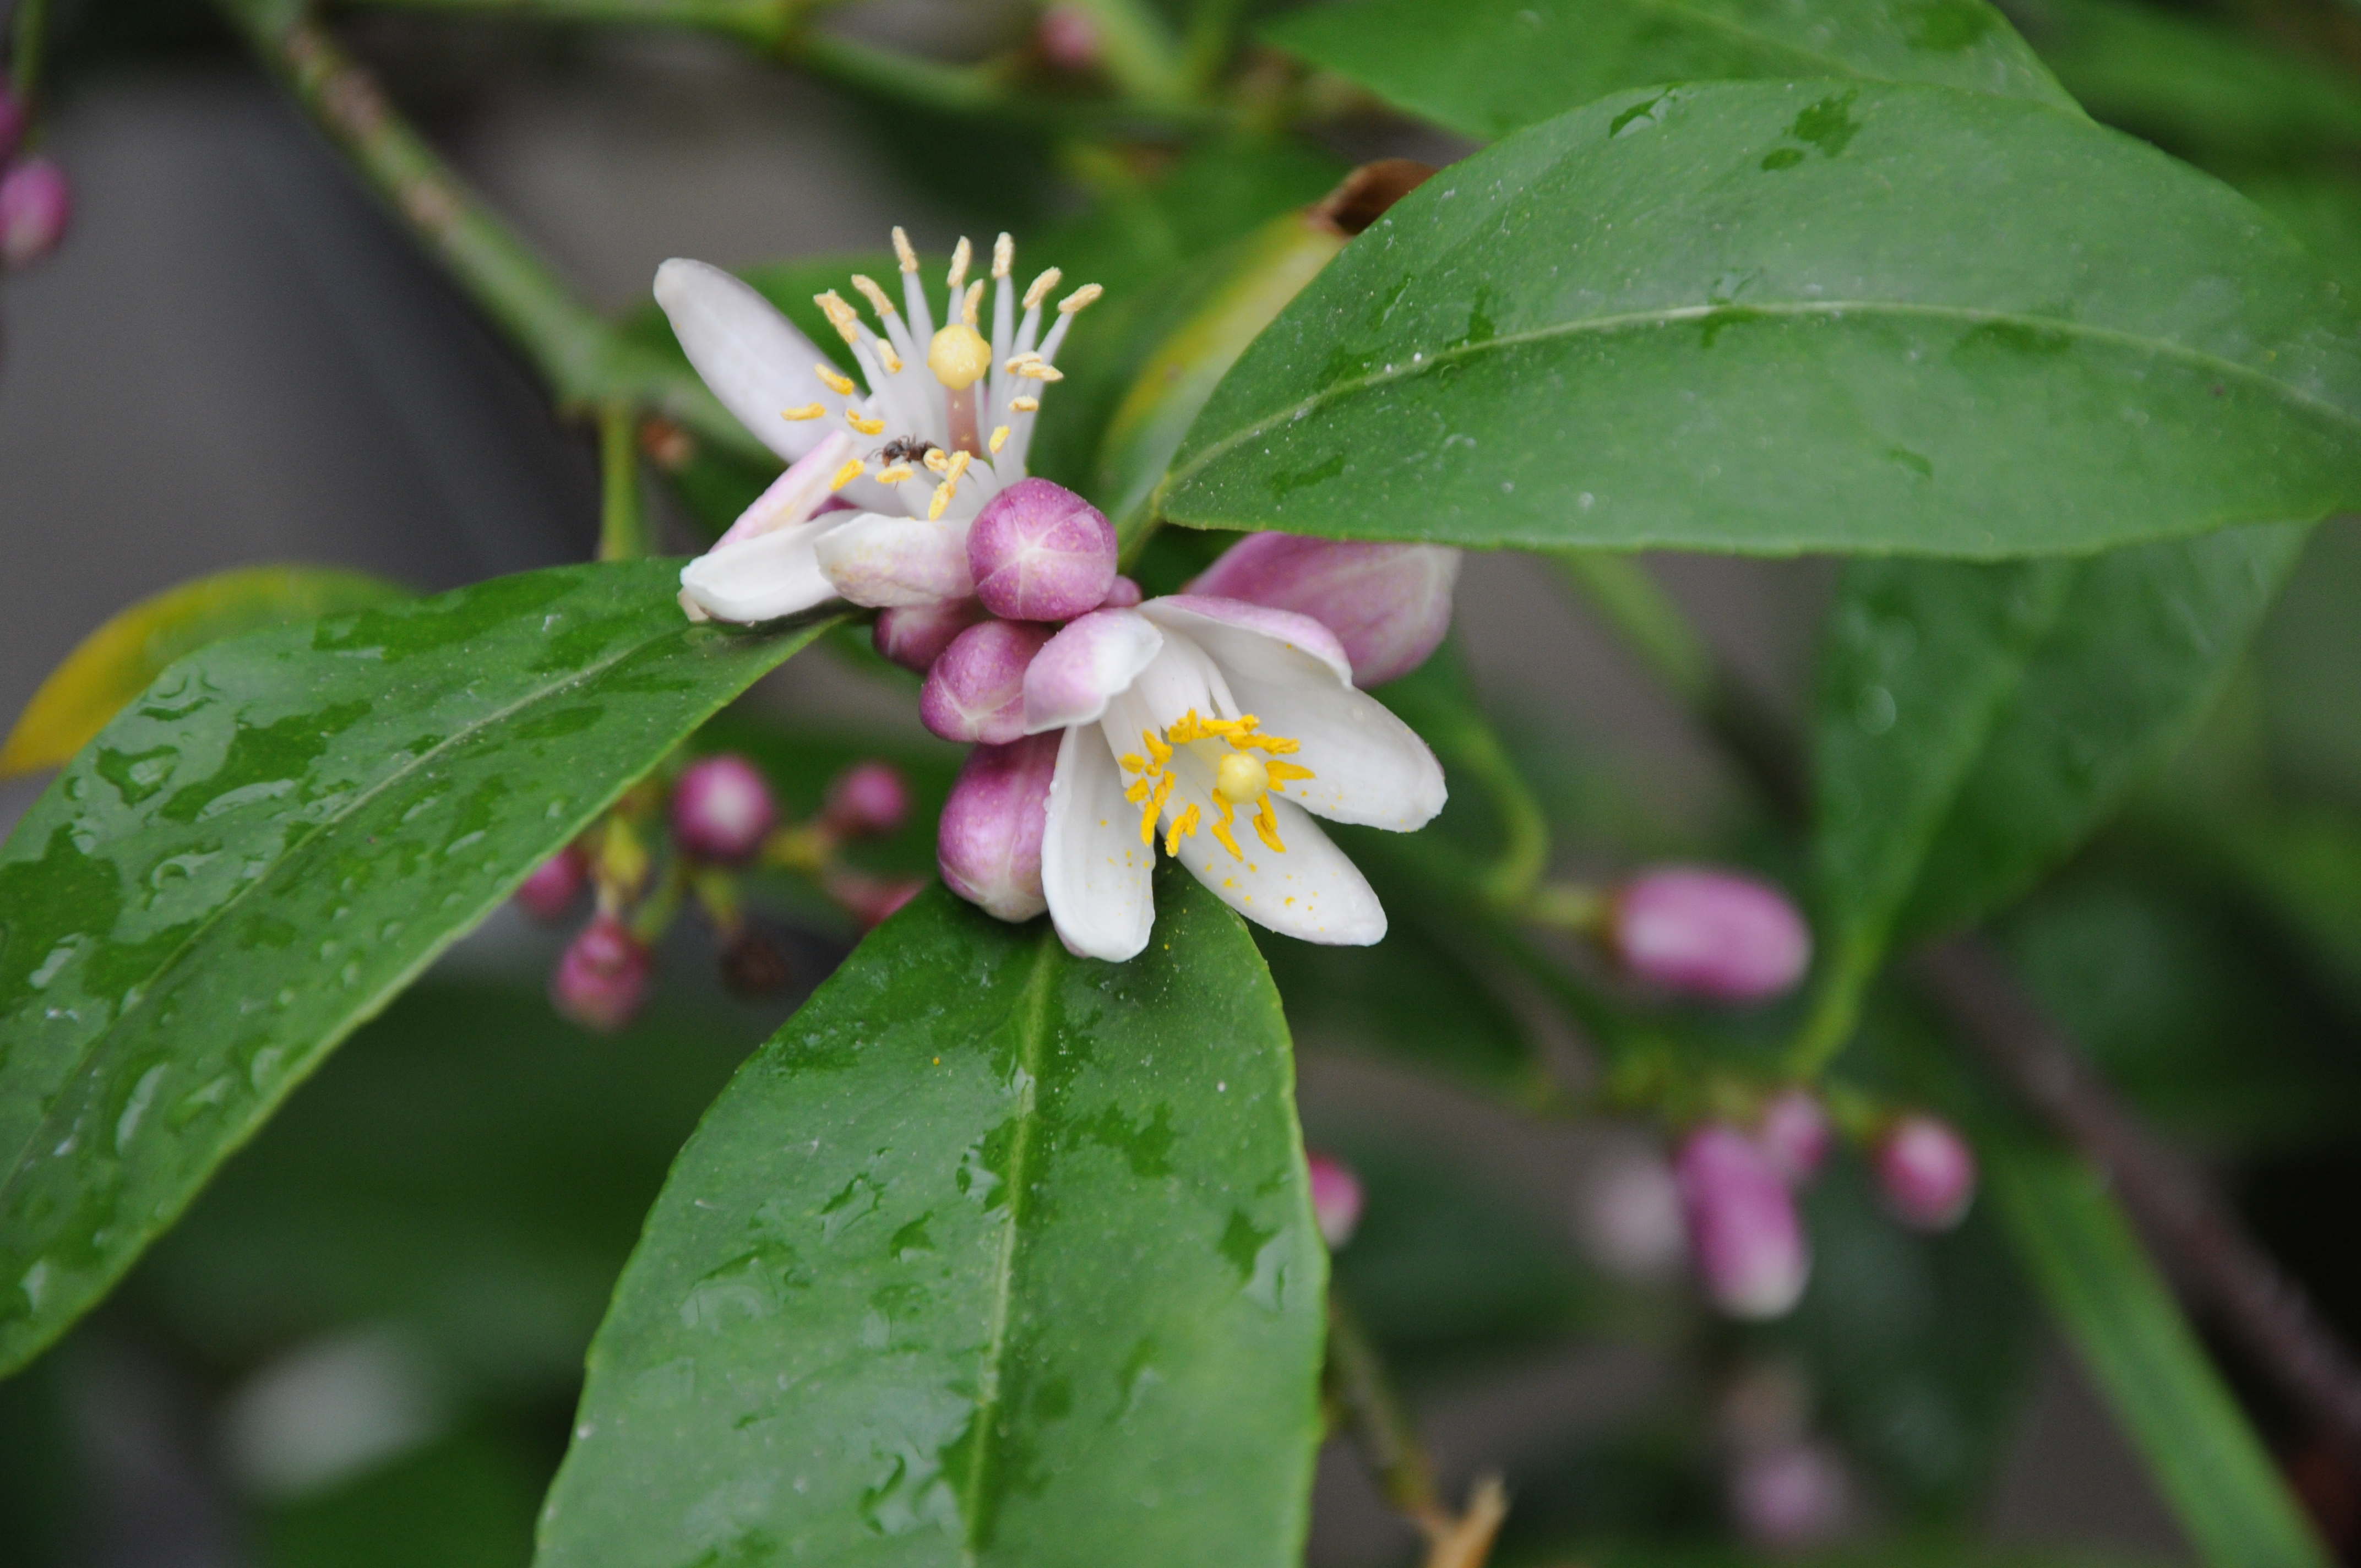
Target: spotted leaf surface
pixel 270 841
pixel 992 1256
pixel 1771 317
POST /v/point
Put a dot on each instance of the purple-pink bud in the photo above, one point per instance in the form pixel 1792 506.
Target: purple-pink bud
pixel 1792 1494
pixel 915 635
pixel 1387 604
pixel 721 810
pixel 1745 1233
pixel 1336 1198
pixel 1926 1172
pixel 602 979
pixel 36 205
pixel 553 886
pixel 1708 932
pixel 988 844
pixel 12 124
pixel 1795 1133
pixel 976 690
pixel 866 800
pixel 1039 552
pixel 1123 594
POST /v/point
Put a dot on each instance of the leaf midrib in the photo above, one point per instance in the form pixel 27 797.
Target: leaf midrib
pixel 1624 321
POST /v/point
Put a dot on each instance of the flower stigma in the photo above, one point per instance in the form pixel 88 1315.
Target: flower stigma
pixel 1240 779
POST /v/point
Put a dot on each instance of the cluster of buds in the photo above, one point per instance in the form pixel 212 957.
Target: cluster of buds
pixel 36 203
pixel 722 818
pixel 1337 1197
pixel 1738 1185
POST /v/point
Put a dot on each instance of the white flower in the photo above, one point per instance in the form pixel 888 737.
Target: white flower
pixel 1221 728
pixel 942 427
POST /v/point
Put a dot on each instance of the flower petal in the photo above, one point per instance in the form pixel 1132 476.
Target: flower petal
pixel 1368 766
pixel 883 562
pixel 1311 891
pixel 763 577
pixel 1084 665
pixel 1094 871
pixel 753 358
pixel 796 495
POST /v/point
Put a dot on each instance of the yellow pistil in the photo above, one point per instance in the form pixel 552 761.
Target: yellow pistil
pixel 958 357
pixel 1241 780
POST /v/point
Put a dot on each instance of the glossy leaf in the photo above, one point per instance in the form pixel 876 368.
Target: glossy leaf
pixel 992 1256
pixel 114 663
pixel 1772 317
pixel 270 843
pixel 1490 67
pixel 2122 1321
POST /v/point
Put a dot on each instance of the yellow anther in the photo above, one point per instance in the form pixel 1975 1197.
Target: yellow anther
pixel 999 439
pixel 896 475
pixel 846 474
pixel 809 411
pixel 973 303
pixel 1239 778
pixel 938 461
pixel 902 248
pixel 875 295
pixel 835 380
pixel 1040 287
pixel 1025 405
pixel 1183 827
pixel 958 357
pixel 1224 836
pixel 1266 826
pixel 1080 299
pixel 840 315
pixel 1185 729
pixel 1139 789
pixel 948 487
pixel 1132 764
pixel 1004 253
pixel 1039 370
pixel 1281 773
pixel 1278 745
pixel 864 423
pixel 960 460
pixel 961 256
pixel 1156 747
pixel 893 360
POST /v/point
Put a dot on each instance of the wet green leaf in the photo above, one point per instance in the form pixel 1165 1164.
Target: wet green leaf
pixel 267 846
pixel 1774 317
pixel 992 1255
pixel 1490 67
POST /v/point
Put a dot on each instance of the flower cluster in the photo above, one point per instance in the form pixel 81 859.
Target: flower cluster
pixel 720 817
pixel 36 203
pixel 1215 724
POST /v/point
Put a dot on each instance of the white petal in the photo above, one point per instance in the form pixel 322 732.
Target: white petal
pixel 763 577
pixel 795 495
pixel 1311 892
pixel 1077 672
pixel 753 358
pixel 883 561
pixel 1094 871
pixel 1288 672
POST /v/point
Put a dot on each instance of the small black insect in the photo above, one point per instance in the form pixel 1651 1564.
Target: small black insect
pixel 906 449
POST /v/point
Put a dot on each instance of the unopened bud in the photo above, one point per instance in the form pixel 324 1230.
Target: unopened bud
pixel 1744 1234
pixel 1069 40
pixel 866 800
pixel 1709 934
pixel 1795 1133
pixel 1390 605
pixel 914 636
pixel 1926 1172
pixel 1039 552
pixel 988 844
pixel 754 965
pixel 1335 1198
pixel 1123 595
pixel 1788 1497
pixel 976 690
pixel 601 981
pixel 721 810
pixel 36 205
pixel 553 885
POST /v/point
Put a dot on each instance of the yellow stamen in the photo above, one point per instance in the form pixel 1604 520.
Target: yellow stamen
pixel 1183 827
pixel 938 461
pixel 1131 763
pixel 1265 827
pixel 1152 809
pixel 1156 747
pixel 1041 286
pixel 893 360
pixel 1035 370
pixel 875 295
pixel 1139 789
pixel 973 302
pixel 1080 299
pixel 1281 773
pixel 896 475
pixel 835 380
pixel 1223 834
pixel 846 474
pixel 958 357
pixel 809 411
pixel 961 255
pixel 948 487
pixel 1004 253
pixel 1025 405
pixel 840 315
pixel 909 257
pixel 863 423
pixel 999 439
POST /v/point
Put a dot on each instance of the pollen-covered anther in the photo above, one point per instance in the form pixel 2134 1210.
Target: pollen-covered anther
pixel 1183 827
pixel 961 255
pixel 973 304
pixel 893 360
pixel 875 295
pixel 834 379
pixel 1025 405
pixel 902 251
pixel 1080 299
pixel 864 423
pixel 896 475
pixel 846 474
pixel 809 411
pixel 938 461
pixel 1003 256
pixel 1038 290
pixel 840 315
pixel 958 357
pixel 999 438
pixel 948 487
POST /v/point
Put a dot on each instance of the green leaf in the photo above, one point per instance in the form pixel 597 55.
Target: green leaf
pixel 114 663
pixel 1976 722
pixel 1490 67
pixel 2123 1323
pixel 992 1255
pixel 1774 317
pixel 270 843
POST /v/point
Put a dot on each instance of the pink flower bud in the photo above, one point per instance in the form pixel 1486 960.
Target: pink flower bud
pixel 1628 1214
pixel 602 980
pixel 1335 1198
pixel 1795 1132
pixel 988 844
pixel 866 800
pixel 915 635
pixel 12 124
pixel 555 884
pixel 976 690
pixel 1039 552
pixel 36 205
pixel 1926 1172
pixel 1709 934
pixel 1788 1497
pixel 721 810
pixel 1744 1234
pixel 1123 595
pixel 1069 40
pixel 1387 604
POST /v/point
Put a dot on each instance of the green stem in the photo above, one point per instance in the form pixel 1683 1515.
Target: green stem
pixel 26 42
pixel 761 24
pixel 1358 1383
pixel 1212 31
pixel 623 520
pixel 1836 1010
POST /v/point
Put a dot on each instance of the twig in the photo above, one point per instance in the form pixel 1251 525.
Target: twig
pixel 2181 1214
pixel 622 518
pixel 1357 1382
